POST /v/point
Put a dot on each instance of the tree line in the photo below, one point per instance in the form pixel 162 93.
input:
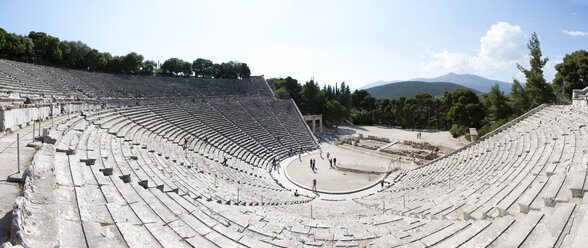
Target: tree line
pixel 43 49
pixel 455 111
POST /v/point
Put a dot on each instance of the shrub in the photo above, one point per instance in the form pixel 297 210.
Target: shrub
pixel 457 131
pixel 362 117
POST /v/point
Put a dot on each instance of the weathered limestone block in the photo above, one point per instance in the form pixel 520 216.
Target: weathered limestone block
pixel 38 200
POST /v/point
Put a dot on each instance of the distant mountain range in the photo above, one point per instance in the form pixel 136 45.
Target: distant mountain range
pixel 471 81
pixel 411 88
pixel 378 83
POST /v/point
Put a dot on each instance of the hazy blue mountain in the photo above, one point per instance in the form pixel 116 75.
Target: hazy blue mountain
pixel 471 81
pixel 411 88
pixel 378 83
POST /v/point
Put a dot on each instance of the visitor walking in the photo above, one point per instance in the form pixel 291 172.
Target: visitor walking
pixel 335 162
pixel 314 185
pixel 296 193
pixel 328 154
pixel 331 163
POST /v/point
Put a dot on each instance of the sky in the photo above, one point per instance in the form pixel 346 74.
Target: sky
pixel 332 41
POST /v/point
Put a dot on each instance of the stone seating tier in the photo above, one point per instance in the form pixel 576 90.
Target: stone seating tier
pixel 62 83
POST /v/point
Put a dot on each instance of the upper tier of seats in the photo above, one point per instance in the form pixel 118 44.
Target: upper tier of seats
pixel 43 81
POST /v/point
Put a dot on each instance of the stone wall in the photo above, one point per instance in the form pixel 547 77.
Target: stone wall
pixel 579 98
pixel 15 117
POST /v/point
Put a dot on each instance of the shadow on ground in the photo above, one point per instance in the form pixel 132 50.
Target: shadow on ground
pixel 5 222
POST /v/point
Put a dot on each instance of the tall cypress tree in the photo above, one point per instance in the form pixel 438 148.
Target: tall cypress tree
pixel 537 89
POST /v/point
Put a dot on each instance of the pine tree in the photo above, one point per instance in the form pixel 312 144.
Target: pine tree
pixel 537 89
pixel 519 99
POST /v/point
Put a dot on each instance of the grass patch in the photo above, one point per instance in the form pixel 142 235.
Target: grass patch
pixel 106 224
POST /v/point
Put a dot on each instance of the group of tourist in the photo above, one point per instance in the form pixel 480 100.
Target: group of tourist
pixel 313 164
pixel 332 161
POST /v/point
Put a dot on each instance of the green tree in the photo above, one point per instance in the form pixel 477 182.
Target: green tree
pixel 114 64
pixel 520 102
pixel 312 98
pixel 233 69
pixel 148 67
pixel 423 114
pixel 496 104
pixel 361 99
pixel 282 93
pixel 202 68
pixel 95 60
pixel 409 110
pixel 289 85
pixel 294 89
pixel 177 67
pixel 345 97
pixel 357 97
pixel 361 117
pixel 228 70
pixel 46 50
pixel 446 104
pixel 537 89
pixel 571 74
pixel 131 63
pixel 466 110
pixel 334 111
pixel 439 115
pixel 243 71
pixel 381 113
pixel 16 47
pixel 3 35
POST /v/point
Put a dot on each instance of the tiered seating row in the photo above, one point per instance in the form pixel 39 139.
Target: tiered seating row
pixel 133 178
pixel 43 80
pixel 522 169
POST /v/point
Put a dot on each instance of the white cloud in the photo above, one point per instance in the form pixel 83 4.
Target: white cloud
pixel 500 49
pixel 448 61
pixel 575 33
pixel 502 42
